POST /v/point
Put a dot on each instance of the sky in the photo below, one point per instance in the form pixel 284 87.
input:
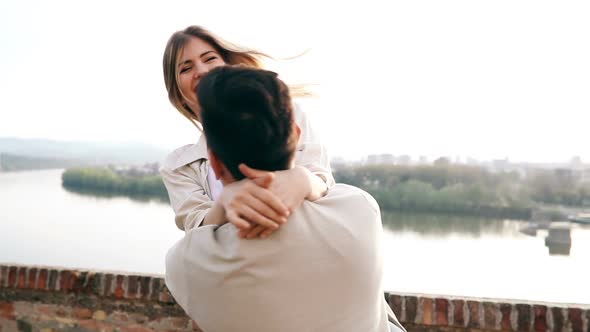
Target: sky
pixel 481 79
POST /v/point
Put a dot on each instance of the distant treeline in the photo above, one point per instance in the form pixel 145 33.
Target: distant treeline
pixel 469 190
pixel 108 182
pixel 11 162
pixel 450 189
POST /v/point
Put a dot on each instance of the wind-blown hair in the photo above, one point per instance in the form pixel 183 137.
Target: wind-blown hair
pixel 247 117
pixel 230 53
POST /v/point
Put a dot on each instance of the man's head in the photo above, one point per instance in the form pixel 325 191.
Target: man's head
pixel 247 117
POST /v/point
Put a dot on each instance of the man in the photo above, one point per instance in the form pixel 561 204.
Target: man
pixel 321 271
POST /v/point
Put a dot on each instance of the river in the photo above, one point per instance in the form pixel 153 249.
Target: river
pixel 43 224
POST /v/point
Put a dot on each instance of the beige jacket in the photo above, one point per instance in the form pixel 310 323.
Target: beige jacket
pixel 184 173
pixel 321 271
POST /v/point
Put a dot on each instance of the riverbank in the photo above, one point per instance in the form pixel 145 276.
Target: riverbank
pixel 108 182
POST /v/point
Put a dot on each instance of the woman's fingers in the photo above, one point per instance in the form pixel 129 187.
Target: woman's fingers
pixel 251 172
pixel 269 199
pixel 235 219
pixel 266 233
pixel 253 216
pixel 255 232
pixel 264 209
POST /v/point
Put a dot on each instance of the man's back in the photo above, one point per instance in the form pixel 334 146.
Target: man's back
pixel 320 272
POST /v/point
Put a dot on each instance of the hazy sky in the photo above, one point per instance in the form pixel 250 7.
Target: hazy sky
pixel 487 79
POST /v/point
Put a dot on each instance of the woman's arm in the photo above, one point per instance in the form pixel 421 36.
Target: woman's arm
pixel 311 153
pixel 187 196
pixel 241 203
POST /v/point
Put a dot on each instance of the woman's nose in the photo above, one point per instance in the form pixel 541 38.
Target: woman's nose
pixel 201 70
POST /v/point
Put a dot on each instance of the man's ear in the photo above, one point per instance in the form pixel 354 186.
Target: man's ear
pixel 216 165
pixel 298 130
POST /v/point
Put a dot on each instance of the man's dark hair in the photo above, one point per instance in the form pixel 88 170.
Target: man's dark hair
pixel 247 117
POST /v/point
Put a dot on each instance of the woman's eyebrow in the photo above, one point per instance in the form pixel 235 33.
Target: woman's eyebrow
pixel 205 53
pixel 184 62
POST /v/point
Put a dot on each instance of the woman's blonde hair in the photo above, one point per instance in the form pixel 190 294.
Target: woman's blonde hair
pixel 230 53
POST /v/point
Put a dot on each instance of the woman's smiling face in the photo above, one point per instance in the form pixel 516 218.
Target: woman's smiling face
pixel 196 59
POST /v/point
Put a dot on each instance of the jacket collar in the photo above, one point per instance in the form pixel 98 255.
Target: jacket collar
pixel 193 153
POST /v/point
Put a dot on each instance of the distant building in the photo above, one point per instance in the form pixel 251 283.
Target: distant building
pixel 576 163
pixel 501 165
pixel 380 159
pixel 404 160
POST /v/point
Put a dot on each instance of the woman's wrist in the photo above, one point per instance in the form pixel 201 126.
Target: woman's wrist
pixel 315 186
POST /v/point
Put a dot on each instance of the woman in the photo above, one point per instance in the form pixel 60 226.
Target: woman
pixel 257 205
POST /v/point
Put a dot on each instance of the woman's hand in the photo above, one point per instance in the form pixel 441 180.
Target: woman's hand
pixel 291 187
pixel 250 202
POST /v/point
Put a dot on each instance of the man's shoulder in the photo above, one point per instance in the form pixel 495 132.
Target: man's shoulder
pixel 341 194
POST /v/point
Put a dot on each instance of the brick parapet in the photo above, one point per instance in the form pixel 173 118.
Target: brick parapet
pixel 420 312
pixel 51 299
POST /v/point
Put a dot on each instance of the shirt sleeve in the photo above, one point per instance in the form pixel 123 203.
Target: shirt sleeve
pixel 187 196
pixel 311 153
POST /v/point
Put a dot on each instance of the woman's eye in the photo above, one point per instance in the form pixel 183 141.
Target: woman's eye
pixel 183 70
pixel 211 59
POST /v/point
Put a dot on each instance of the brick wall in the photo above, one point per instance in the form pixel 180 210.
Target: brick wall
pixel 51 299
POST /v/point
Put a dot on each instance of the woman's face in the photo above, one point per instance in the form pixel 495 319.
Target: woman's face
pixel 196 59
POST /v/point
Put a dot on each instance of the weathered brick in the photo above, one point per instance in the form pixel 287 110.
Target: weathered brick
pixel 441 308
pixel 46 309
pixel 61 312
pixel 32 278
pixel 8 325
pixel 395 302
pixel 67 280
pixel 93 284
pixel 558 319
pixel 178 322
pixel 22 277
pixel 132 283
pixel 458 316
pixel 24 326
pixel 135 328
pixel 42 279
pixel 523 320
pixel 540 318
pixel 52 284
pixel 12 276
pixel 3 276
pixel 82 313
pixel 7 310
pixel 118 317
pixel 119 290
pixel 99 315
pixel 574 316
pixel 79 282
pixel 165 296
pixel 93 325
pixel 427 310
pixel 108 284
pixel 144 284
pixel 490 311
pixel 411 309
pixel 156 288
pixel 473 308
pixel 89 325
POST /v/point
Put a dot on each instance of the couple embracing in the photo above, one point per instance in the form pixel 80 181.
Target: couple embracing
pixel 271 243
